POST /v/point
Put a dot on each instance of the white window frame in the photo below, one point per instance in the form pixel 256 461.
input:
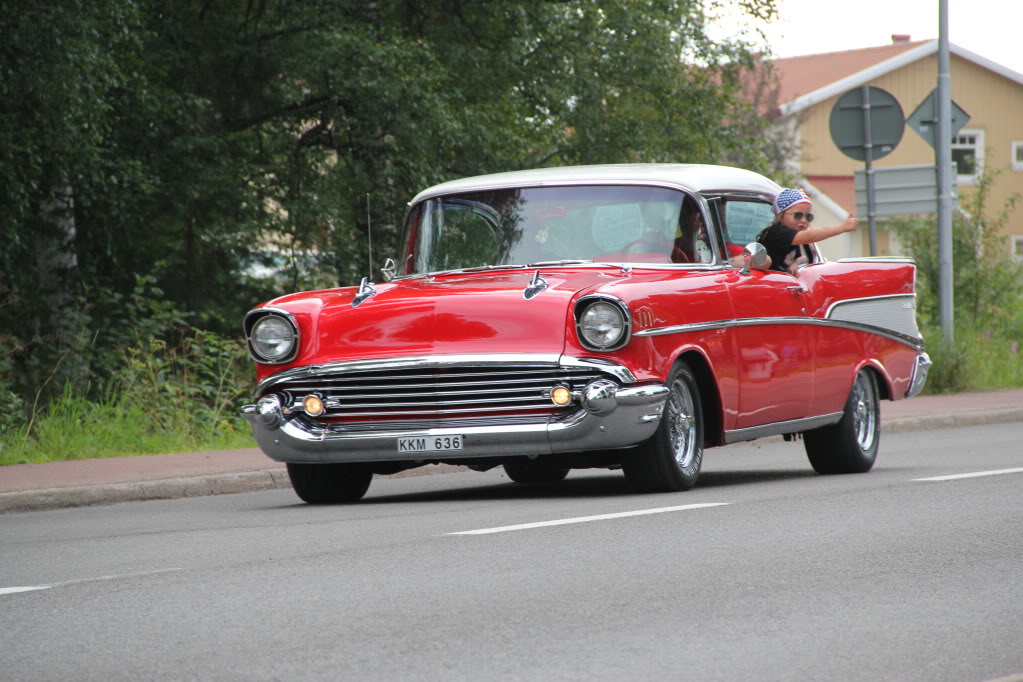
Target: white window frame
pixel 1016 247
pixel 959 142
pixel 1016 155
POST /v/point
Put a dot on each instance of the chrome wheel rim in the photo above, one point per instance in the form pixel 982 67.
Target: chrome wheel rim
pixel 682 423
pixel 864 412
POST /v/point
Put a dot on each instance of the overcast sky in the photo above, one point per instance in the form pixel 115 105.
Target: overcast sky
pixel 992 29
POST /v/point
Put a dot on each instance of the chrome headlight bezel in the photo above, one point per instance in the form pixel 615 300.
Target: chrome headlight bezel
pixel 602 304
pixel 257 318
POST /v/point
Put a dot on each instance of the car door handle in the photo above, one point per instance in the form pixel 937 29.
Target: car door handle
pixel 796 288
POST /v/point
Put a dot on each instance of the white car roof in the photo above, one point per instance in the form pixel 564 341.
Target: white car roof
pixel 687 176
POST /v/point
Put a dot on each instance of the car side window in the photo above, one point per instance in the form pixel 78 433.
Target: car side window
pixel 744 220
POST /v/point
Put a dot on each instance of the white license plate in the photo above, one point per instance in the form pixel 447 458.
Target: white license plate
pixel 430 444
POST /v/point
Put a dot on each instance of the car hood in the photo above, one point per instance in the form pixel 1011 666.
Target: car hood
pixel 442 314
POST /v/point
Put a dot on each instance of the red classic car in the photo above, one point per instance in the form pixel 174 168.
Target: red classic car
pixel 589 316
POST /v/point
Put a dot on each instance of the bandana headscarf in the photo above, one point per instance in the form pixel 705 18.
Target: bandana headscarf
pixel 789 197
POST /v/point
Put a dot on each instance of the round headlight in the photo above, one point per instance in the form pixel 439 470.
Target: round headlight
pixel 272 338
pixel 602 324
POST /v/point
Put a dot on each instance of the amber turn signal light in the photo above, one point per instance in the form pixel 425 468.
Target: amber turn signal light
pixel 313 405
pixel 561 396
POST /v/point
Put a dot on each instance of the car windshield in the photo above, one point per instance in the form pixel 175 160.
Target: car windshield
pixel 525 226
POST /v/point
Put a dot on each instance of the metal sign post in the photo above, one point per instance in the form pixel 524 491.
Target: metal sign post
pixel 867 124
pixel 868 159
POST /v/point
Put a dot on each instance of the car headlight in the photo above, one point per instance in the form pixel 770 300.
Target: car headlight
pixel 603 324
pixel 272 339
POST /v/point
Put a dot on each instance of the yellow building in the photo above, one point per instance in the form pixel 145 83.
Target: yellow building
pixel 992 139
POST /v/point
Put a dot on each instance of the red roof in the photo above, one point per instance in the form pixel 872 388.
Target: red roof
pixel 798 76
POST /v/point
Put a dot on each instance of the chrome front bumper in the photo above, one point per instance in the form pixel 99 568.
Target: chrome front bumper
pixel 608 418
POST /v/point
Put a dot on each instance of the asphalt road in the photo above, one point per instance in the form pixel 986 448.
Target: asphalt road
pixel 765 571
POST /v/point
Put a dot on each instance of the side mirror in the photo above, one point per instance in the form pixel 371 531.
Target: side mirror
pixel 389 269
pixel 754 256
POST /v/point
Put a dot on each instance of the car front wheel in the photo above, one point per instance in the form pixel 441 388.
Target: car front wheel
pixel 329 483
pixel 850 446
pixel 670 461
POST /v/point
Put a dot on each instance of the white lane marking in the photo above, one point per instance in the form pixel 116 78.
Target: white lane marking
pixel 586 519
pixel 32 588
pixel 975 474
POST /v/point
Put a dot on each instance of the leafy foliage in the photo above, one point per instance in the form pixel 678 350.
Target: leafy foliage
pixel 987 282
pixel 162 399
pixel 987 296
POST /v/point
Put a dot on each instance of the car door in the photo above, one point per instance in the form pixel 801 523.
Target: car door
pixel 771 333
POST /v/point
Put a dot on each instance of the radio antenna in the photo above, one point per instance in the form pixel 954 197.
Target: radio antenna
pixel 369 237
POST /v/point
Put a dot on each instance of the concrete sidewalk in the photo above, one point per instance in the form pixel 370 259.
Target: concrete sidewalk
pixel 55 485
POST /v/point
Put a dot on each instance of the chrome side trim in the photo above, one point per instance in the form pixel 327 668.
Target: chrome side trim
pixel 777 428
pixel 876 259
pixel 914 342
pixel 686 328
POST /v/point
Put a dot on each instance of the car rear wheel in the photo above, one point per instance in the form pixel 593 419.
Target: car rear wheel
pixel 534 471
pixel 850 446
pixel 670 461
pixel 329 483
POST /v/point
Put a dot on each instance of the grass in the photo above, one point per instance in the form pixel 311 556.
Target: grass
pixel 77 429
pixel 976 361
pixel 162 399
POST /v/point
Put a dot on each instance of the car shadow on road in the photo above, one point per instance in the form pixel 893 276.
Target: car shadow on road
pixel 611 484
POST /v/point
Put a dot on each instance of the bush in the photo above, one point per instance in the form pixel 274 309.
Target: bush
pixel 987 297
pixel 162 399
pixel 974 361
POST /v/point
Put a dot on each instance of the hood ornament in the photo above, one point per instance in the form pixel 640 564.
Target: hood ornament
pixel 365 291
pixel 536 285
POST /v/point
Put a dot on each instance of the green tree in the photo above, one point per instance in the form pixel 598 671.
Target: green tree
pixel 153 154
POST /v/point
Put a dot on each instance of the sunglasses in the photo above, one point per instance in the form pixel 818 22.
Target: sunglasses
pixel 799 215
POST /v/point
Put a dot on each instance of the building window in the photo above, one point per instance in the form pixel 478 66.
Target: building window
pixel 1017 248
pixel 1017 156
pixel 968 154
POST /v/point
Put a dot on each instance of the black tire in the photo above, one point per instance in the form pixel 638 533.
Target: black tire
pixel 670 461
pixel 329 483
pixel 850 446
pixel 534 471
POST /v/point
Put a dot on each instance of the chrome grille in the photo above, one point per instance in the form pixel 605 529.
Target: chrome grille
pixel 437 392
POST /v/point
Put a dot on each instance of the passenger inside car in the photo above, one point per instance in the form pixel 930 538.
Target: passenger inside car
pixel 791 230
pixel 692 243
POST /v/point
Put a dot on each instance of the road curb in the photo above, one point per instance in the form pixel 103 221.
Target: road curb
pixel 267 479
pixel 944 421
